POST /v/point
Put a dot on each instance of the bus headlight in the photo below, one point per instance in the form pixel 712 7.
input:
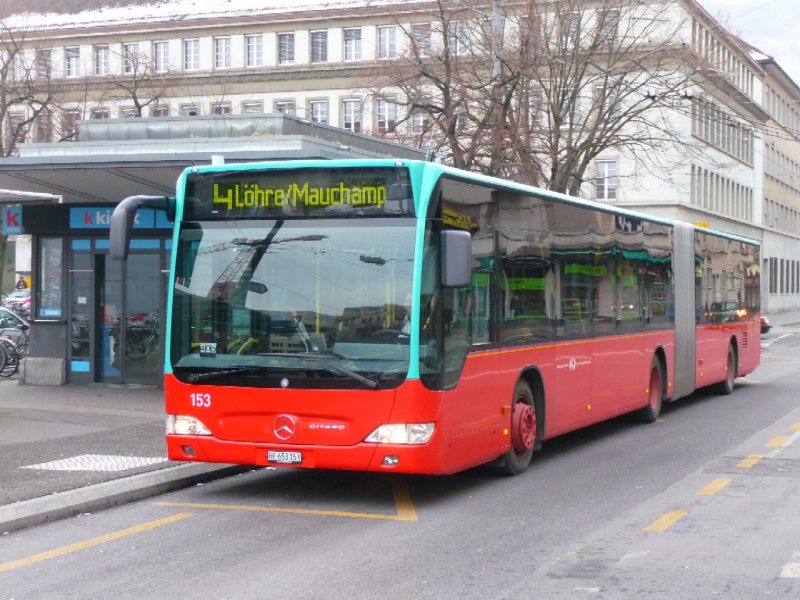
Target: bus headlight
pixel 401 433
pixel 185 425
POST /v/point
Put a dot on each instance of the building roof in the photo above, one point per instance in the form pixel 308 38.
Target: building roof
pixel 44 14
pixel 126 157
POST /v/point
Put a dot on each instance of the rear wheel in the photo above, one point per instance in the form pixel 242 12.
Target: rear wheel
pixel 655 400
pixel 523 430
pixel 726 386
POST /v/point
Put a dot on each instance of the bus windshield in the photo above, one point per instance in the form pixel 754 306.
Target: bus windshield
pixel 312 300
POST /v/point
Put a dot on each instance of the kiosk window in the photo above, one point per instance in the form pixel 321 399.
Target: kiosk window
pixel 51 305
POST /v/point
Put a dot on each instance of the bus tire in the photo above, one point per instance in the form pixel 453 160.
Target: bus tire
pixel 655 395
pixel 522 430
pixel 725 387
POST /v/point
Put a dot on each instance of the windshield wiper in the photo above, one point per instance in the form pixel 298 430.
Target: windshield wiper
pixel 326 364
pixel 222 373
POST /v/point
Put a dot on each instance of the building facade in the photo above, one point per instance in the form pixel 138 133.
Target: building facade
pixel 728 168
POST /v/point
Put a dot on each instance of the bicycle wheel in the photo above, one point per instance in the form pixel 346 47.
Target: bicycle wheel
pixel 11 363
pixel 22 345
pixel 3 357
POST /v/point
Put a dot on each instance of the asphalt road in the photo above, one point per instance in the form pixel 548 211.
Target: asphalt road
pixel 701 504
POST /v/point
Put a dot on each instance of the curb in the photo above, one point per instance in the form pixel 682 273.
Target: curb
pixel 109 493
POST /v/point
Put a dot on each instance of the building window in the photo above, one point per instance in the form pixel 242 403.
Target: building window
pixel 570 29
pixel 351 115
pixel 72 60
pixel 130 58
pixel 255 50
pixel 352 43
pixel 457 37
pixel 420 122
pixel 129 112
pixel 421 38
pixel 102 60
pixel 100 113
pixel 49 285
pixel 20 67
pixel 318 111
pixel 189 110
pixel 161 56
pixel 285 107
pixel 387 42
pixel 319 46
pixel 159 110
pixel 191 55
pixel 221 108
pixel 222 53
pixel 252 107
pixel 607 25
pixel 44 128
pixel 285 48
pixel 606 179
pixel 607 103
pixel 386 116
pixel 44 62
pixel 69 125
pixel 17 128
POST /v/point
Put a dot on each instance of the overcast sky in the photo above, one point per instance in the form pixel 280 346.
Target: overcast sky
pixel 772 26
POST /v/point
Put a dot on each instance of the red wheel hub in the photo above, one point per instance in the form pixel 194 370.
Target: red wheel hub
pixel 523 427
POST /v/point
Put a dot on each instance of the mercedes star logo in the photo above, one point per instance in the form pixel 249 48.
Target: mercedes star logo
pixel 284 427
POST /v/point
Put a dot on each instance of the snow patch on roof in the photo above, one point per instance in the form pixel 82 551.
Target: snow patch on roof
pixel 178 10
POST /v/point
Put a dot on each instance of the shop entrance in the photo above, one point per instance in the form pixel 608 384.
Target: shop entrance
pixel 130 304
pixel 118 330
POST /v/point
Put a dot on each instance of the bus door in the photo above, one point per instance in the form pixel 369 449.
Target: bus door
pixel 574 346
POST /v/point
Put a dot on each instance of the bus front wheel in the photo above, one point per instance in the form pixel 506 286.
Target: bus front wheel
pixel 522 430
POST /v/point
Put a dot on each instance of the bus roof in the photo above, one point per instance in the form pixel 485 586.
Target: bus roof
pixel 453 172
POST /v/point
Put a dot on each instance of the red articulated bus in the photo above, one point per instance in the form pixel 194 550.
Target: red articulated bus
pixel 404 316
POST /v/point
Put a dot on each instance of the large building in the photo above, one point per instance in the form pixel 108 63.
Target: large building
pixel 725 116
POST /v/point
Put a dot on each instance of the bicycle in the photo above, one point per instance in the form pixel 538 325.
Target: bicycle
pixel 13 352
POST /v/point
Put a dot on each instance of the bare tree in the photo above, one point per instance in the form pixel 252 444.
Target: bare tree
pixel 141 81
pixel 537 93
pixel 26 93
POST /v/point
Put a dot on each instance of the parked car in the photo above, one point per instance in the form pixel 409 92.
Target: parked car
pixel 19 301
pixel 11 324
pixel 765 325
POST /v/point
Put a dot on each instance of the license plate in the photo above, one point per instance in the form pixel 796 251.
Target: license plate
pixel 284 458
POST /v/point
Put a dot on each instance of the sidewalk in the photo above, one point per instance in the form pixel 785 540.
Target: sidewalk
pixel 70 449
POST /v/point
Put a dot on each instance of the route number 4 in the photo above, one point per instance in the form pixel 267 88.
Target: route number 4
pixel 201 400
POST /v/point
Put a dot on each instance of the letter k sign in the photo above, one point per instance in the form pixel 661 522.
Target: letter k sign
pixel 12 220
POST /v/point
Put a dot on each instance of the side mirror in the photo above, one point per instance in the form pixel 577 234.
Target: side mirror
pixel 123 217
pixel 456 258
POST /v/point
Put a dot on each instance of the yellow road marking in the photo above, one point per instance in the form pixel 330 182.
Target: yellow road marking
pixel 402 499
pixel 714 487
pixel 750 461
pixel 776 441
pixel 663 523
pixel 795 427
pixel 275 509
pixel 109 537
